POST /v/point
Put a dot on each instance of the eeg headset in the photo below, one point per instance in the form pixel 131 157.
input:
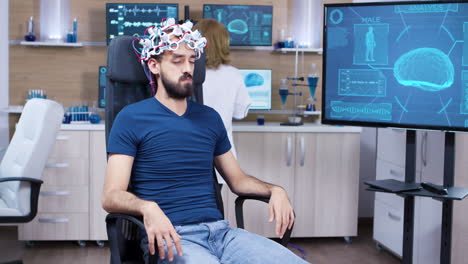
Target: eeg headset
pixel 161 38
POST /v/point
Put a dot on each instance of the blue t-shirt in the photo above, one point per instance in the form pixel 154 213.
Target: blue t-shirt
pixel 173 163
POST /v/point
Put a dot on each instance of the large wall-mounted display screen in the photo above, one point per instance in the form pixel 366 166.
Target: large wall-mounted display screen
pixel 402 64
pixel 132 19
pixel 248 25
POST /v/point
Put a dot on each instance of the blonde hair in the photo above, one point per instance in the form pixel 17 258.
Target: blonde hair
pixel 217 48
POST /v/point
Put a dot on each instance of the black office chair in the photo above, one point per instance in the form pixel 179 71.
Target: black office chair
pixel 127 83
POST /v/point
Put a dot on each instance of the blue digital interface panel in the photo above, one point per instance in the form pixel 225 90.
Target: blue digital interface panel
pixel 396 64
pixel 132 19
pixel 102 86
pixel 258 83
pixel 248 25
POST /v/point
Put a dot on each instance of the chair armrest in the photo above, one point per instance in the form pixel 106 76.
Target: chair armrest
pixel 31 180
pixel 120 237
pixel 240 209
pixel 240 215
pixel 133 219
pixel 34 197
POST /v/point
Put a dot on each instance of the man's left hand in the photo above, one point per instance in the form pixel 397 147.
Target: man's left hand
pixel 281 211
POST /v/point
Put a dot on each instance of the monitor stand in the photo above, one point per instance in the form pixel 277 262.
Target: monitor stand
pixel 447 204
pixel 447 200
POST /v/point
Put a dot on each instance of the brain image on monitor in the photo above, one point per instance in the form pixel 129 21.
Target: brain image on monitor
pixel 397 64
pixel 258 83
pixel 248 25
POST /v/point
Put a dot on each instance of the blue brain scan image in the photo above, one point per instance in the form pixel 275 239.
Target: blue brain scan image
pixel 253 79
pixel 238 26
pixel 258 83
pixel 400 64
pixel 248 25
pixel 425 68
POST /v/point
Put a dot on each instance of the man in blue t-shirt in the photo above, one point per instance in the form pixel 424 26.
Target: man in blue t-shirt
pixel 164 147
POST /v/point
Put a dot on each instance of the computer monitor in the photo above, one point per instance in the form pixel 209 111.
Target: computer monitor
pixel 400 64
pixel 133 18
pixel 102 87
pixel 258 83
pixel 248 25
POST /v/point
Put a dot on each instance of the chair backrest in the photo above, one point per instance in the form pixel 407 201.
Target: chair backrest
pixel 28 151
pixel 127 82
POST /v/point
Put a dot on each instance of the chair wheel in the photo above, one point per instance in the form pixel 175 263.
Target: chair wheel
pixel 81 243
pixel 348 240
pixel 378 247
pixel 100 243
pixel 29 243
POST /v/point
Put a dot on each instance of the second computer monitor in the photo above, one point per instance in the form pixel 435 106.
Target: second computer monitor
pixel 258 83
pixel 132 19
pixel 248 25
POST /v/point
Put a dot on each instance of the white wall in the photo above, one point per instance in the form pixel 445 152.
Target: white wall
pixel 307 18
pixel 4 73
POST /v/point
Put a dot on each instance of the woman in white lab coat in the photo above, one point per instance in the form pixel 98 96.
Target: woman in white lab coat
pixel 224 88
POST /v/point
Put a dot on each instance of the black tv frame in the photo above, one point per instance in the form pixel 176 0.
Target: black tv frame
pixel 271 35
pixel 365 123
pixel 120 3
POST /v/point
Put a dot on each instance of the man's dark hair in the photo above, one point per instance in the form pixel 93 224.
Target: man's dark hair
pixel 158 58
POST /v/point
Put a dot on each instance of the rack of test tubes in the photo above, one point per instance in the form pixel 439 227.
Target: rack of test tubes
pixel 81 114
pixel 37 93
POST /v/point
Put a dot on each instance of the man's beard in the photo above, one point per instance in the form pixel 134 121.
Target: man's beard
pixel 177 90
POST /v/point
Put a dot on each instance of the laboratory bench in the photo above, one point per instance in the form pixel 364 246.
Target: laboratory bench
pixel 317 164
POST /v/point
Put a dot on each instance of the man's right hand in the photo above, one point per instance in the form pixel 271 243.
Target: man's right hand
pixel 159 227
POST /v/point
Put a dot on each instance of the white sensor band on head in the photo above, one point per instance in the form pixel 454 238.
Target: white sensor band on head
pixel 160 39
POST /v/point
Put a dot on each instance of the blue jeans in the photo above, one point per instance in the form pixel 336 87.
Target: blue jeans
pixel 216 242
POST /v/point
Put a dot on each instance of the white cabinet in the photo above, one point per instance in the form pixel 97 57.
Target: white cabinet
pixel 97 173
pixel 63 209
pixel 269 157
pixel 326 186
pixel 320 171
pixel 70 198
pixel 389 208
pixel 388 226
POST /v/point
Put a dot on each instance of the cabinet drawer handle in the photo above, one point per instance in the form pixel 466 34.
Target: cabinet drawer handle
pixel 289 147
pixel 396 173
pixel 57 165
pixel 62 138
pixel 54 220
pixel 302 141
pixel 394 217
pixel 57 193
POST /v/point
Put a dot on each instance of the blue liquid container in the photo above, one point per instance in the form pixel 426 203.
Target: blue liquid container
pixel 95 119
pixel 312 82
pixel 284 95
